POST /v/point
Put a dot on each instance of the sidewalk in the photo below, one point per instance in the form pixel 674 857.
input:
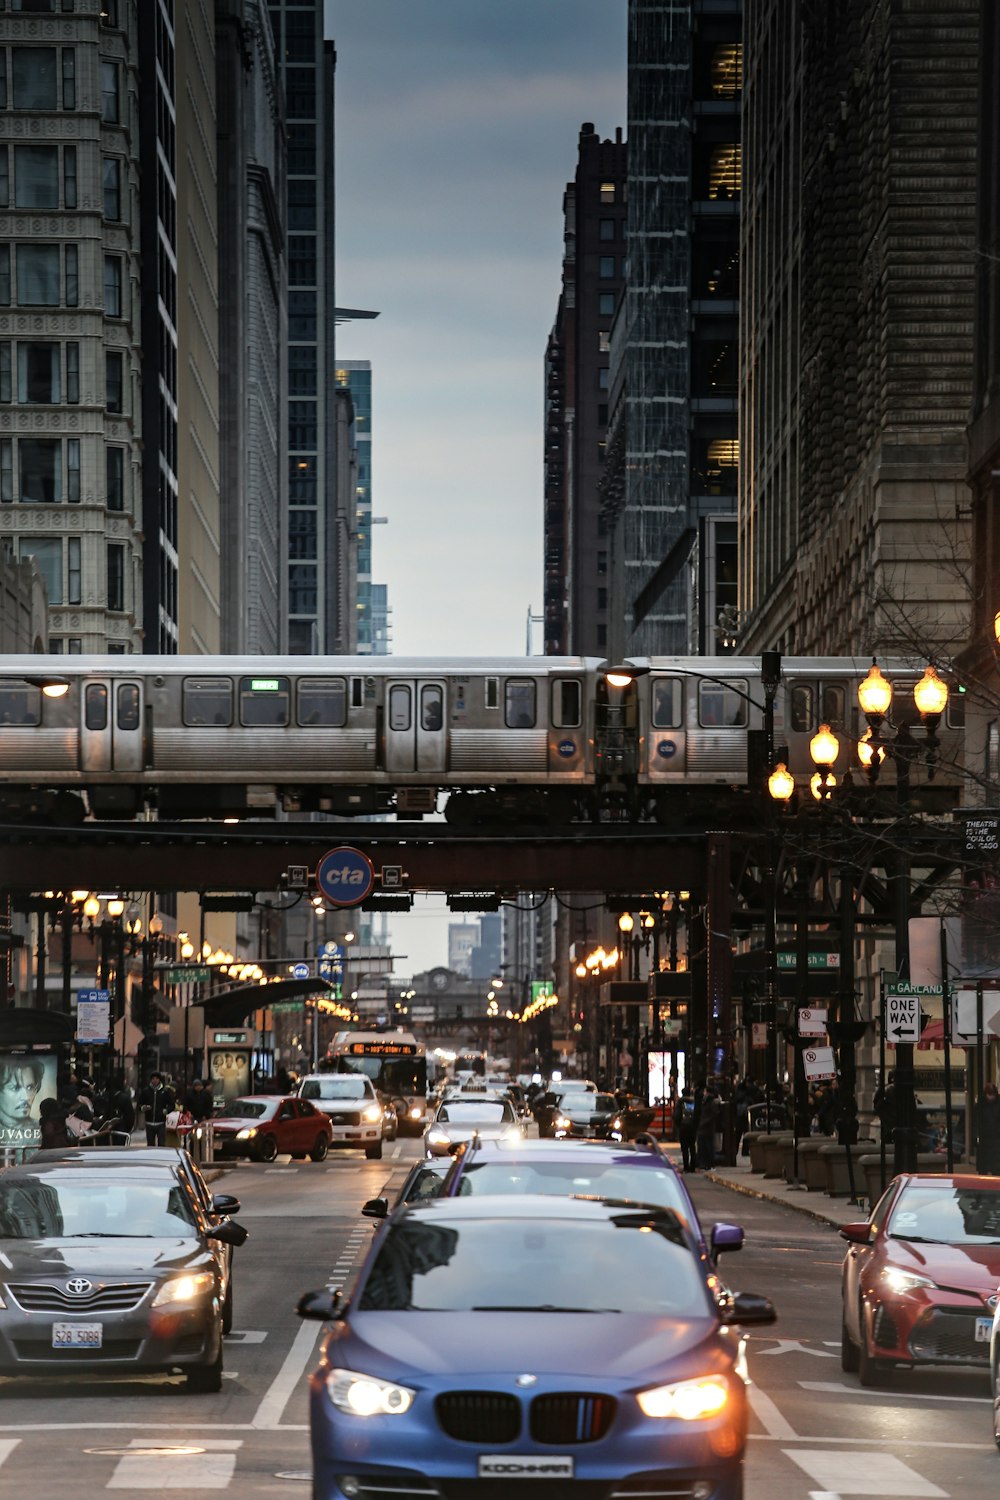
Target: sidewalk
pixel 821 1206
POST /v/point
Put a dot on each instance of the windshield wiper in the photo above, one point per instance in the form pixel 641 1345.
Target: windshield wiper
pixel 106 1234
pixel 915 1239
pixel 540 1307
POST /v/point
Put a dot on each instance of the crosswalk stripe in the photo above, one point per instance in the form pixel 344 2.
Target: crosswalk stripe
pixel 7 1446
pixel 842 1473
pixel 210 1467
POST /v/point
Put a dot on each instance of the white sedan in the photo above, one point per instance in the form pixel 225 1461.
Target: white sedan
pixel 459 1119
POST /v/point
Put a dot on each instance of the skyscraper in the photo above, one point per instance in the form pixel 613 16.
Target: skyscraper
pixel 307 66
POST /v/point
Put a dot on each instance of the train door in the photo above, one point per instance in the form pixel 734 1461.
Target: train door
pixel 415 726
pixel 111 726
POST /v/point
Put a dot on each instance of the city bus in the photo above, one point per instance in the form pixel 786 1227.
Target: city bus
pixel 395 1062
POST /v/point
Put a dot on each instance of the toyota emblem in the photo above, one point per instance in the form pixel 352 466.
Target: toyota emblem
pixel 79 1286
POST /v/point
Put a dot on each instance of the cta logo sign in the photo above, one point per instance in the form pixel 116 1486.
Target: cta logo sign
pixel 345 876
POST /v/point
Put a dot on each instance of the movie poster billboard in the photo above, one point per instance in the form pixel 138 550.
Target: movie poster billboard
pixel 26 1080
pixel 229 1069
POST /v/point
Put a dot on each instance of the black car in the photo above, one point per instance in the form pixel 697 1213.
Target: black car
pixel 584 1116
pixel 108 1268
pixel 546 1106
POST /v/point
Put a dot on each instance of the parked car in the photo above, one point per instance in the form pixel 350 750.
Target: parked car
pixel 264 1126
pixel 352 1106
pixel 110 1268
pixel 218 1208
pixel 920 1277
pixel 629 1172
pixel 460 1118
pixel 648 1389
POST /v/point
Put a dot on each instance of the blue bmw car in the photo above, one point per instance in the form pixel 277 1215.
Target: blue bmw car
pixel 567 1346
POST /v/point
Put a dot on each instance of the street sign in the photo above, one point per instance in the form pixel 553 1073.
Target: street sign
pixel 542 988
pixel 758 1035
pixel 789 960
pixel 345 876
pixel 818 1064
pixel 965 1010
pixel 93 1017
pixel 812 1023
pixel 191 975
pixel 901 1002
pixel 300 971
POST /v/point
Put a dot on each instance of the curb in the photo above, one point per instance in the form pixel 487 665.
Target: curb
pixel 750 1192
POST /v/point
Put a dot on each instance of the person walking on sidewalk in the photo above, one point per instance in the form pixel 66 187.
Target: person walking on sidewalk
pixel 687 1128
pixel 708 1124
pixel 157 1102
pixel 987 1118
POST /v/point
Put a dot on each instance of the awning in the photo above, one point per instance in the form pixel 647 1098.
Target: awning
pixel 233 1007
pixel 932 1037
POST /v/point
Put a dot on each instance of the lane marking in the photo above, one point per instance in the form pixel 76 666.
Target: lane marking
pixel 395 1152
pixel 837 1388
pixel 7 1446
pixel 246 1336
pixel 793 1346
pixel 881 1442
pixel 95 1425
pixel 212 1470
pixel 770 1418
pixel 863 1474
pixel 299 1356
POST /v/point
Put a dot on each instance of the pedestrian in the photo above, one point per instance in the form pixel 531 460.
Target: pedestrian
pixel 708 1123
pixel 198 1101
pixel 123 1110
pixel 157 1102
pixel 52 1118
pixel 987 1117
pixel 687 1128
pixel 884 1105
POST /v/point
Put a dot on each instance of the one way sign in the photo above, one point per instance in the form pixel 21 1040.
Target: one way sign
pixel 902 1014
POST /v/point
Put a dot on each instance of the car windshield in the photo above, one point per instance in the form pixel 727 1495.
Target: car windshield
pixel 482 1111
pixel 425 1183
pixel 342 1087
pixel 657 1186
pixel 943 1214
pixel 589 1103
pixel 93 1205
pixel 245 1109
pixel 629 1263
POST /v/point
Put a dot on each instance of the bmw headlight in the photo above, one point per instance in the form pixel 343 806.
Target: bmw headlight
pixel 898 1280
pixel 366 1396
pixel 246 1135
pixel 689 1400
pixel 185 1289
pixel 373 1112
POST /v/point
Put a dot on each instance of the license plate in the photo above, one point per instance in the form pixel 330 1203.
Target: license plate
pixel 528 1466
pixel 984 1327
pixel 77 1335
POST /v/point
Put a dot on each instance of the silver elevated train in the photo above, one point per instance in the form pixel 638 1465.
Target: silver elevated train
pixel 534 739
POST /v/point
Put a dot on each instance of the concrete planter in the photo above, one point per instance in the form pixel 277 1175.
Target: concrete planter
pixel 808 1146
pixel 774 1153
pixel 834 1162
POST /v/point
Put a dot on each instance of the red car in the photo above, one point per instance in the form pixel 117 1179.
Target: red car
pixel 920 1279
pixel 264 1126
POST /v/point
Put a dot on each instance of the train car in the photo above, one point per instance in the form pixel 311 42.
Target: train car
pixel 230 736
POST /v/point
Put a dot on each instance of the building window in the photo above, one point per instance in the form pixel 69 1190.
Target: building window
pixel 109 12
pixel 36 176
pixel 302 370
pixel 300 93
pixel 111 171
pixel 113 286
pixel 606 304
pixel 41 7
pixel 48 554
pixel 4 177
pixel 114 466
pixel 38 374
pixel 68 78
pixel 69 176
pixel 302 260
pixel 72 373
pixel 74 571
pixel 602 564
pixel 3 77
pixel 302 203
pixel 72 276
pixel 109 92
pixel 33 78
pixel 6 382
pixel 38 275
pixel 114 375
pixel 6 470
pixel 603 377
pixel 606 266
pixel 602 599
pixel 39 463
pixel 608 229
pixel 302 534
pixel 603 341
pixel 73 472
pixel 725 171
pixel 302 425
pixel 608 192
pixel 302 590
pixel 116 576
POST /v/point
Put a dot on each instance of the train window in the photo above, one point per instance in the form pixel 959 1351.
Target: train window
pixel 431 709
pixel 208 701
pixel 95 706
pixel 128 705
pixel 833 700
pixel 492 692
pixel 519 704
pixel 399 707
pixel 566 698
pixel 667 707
pixel 903 710
pixel 357 692
pixel 801 716
pixel 20 703
pixel 956 709
pixel 264 702
pixel 323 704
pixel 723 704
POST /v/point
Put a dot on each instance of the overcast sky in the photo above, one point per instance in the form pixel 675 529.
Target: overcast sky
pixel 457 128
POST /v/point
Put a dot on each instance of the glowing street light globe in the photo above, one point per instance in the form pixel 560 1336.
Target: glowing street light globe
pixel 781 783
pixel 875 694
pixel 824 747
pixel 930 695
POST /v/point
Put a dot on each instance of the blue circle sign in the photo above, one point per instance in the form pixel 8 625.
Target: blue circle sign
pixel 666 749
pixel 345 876
pixel 300 971
pixel 567 748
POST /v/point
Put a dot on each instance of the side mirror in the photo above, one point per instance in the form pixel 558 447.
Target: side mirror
pixel 376 1208
pixel 225 1203
pixel 229 1233
pixel 320 1306
pixel 857 1234
pixel 725 1237
pixel 747 1307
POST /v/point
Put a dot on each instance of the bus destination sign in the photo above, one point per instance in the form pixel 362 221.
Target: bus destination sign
pixel 383 1049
